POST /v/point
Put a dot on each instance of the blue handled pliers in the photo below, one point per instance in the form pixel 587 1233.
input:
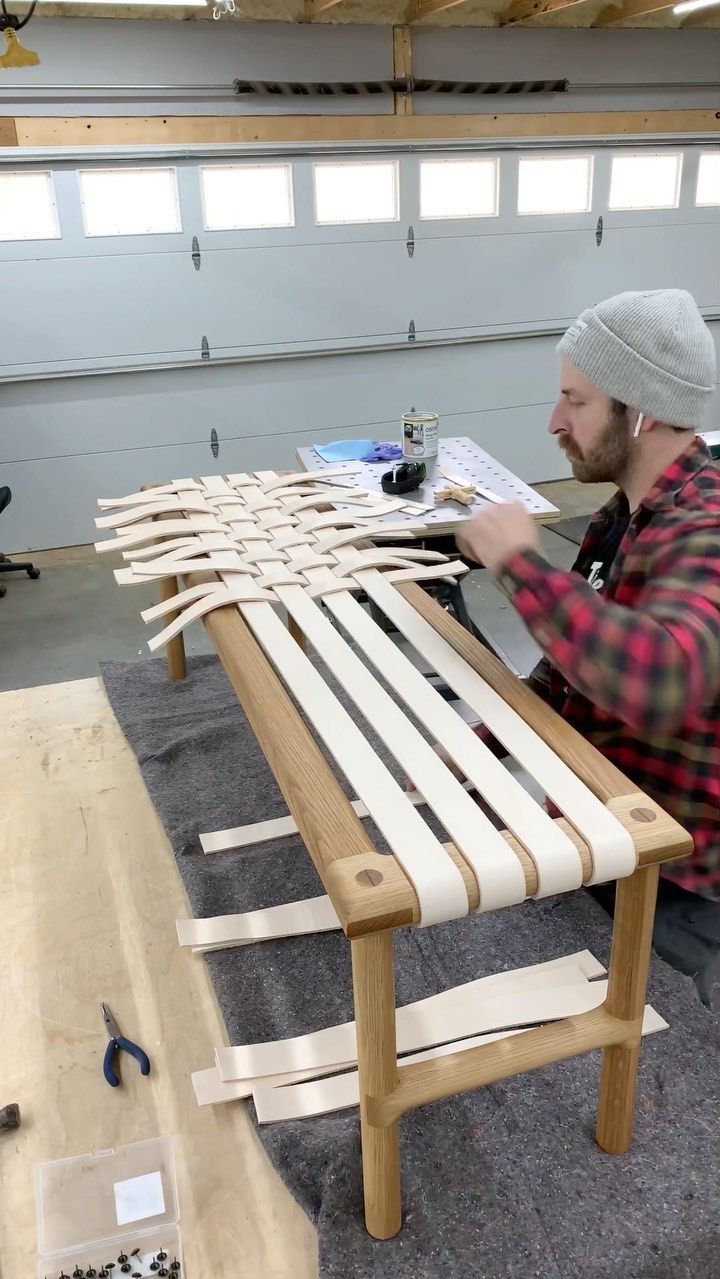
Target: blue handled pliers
pixel 117 1044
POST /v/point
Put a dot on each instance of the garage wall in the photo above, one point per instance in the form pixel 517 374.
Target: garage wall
pixel 181 65
pixel 307 327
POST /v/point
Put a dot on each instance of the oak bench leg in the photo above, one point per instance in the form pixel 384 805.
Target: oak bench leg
pixel 175 648
pixel 374 991
pixel 629 965
pixel 297 634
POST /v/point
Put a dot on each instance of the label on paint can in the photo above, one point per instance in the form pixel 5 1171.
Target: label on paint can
pixel 420 436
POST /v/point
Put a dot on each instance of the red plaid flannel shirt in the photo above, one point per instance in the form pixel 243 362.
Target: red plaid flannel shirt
pixel 635 667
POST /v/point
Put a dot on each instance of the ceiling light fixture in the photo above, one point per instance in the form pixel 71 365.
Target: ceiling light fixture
pixel 690 6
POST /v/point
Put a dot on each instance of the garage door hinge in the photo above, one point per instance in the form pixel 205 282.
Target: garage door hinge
pixel 410 242
pixel 205 348
pixel 214 443
pixel 599 232
pixel 411 331
pixel 196 253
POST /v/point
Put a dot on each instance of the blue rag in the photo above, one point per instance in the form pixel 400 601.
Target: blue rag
pixel 344 450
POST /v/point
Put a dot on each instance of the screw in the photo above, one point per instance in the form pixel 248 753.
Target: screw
pixel 78 1273
pixel 175 1264
pixel 126 1268
pixel 163 1272
pixel 162 1256
pixel 91 1273
pixel 122 1259
pixel 154 1265
pixel 135 1252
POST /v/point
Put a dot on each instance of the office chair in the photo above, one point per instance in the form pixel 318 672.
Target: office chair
pixel 13 566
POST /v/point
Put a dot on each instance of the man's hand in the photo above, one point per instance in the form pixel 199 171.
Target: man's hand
pixel 495 535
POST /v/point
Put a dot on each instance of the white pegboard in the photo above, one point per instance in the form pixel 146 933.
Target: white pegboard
pixel 465 459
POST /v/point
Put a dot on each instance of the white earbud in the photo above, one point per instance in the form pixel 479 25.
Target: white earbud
pixel 638 425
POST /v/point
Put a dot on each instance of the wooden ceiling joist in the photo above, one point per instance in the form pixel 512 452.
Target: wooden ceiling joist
pixel 315 7
pixel 420 9
pixel 523 10
pixel 109 131
pixel 402 68
pixel 631 9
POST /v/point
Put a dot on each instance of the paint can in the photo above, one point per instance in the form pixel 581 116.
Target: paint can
pixel 420 433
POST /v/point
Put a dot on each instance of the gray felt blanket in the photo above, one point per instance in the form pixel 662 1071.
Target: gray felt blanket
pixel 502 1183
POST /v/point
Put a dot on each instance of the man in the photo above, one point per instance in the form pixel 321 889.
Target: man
pixel 632 635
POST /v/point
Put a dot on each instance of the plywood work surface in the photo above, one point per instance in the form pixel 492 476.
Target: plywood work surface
pixel 89 894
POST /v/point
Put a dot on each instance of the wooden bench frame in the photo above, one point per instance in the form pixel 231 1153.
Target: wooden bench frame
pixel 373 896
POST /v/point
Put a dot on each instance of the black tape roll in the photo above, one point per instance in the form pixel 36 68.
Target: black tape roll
pixel 404 478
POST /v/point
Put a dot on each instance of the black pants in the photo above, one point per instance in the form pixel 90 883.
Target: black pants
pixel 686 934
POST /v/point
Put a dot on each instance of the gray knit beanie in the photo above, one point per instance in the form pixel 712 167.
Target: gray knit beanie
pixel 651 350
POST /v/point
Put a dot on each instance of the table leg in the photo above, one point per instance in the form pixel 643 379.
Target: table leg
pixel 374 991
pixel 175 648
pixel 629 966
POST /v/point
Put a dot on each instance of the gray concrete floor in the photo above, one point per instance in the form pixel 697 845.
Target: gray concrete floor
pixel 61 626
pixel 74 616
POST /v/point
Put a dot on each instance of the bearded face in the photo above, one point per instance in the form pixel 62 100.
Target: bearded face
pixel 592 429
pixel 606 457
